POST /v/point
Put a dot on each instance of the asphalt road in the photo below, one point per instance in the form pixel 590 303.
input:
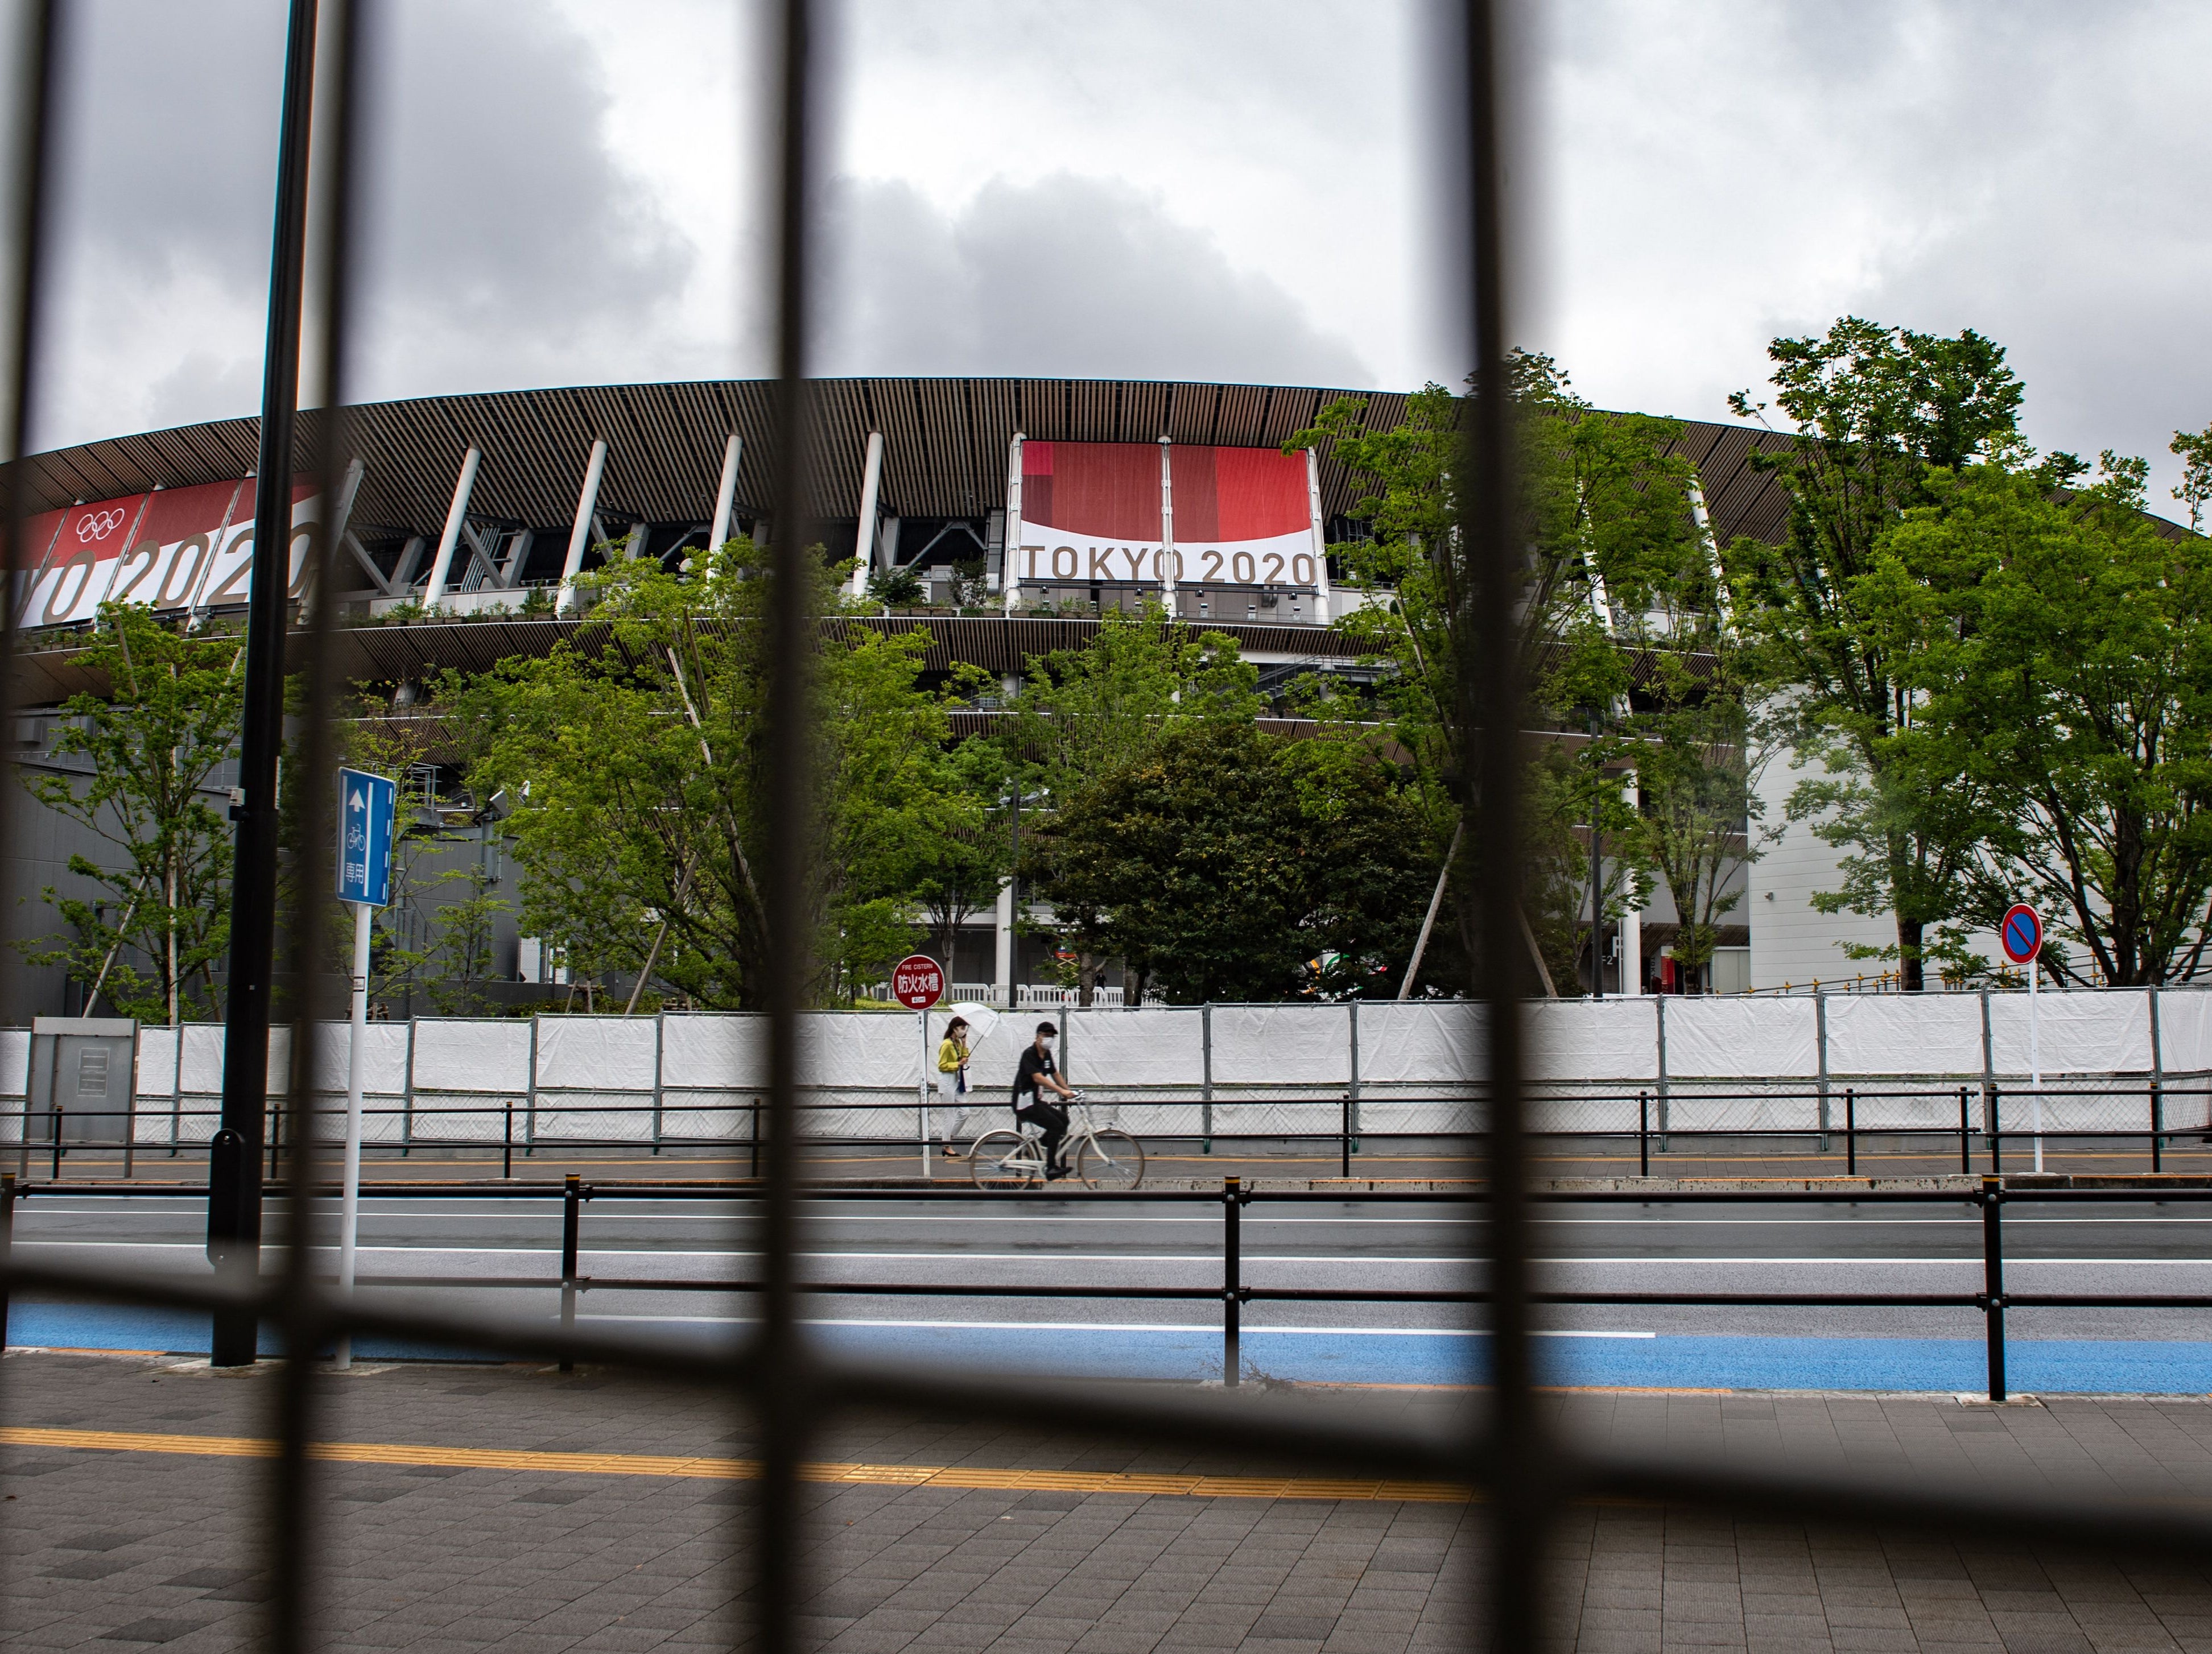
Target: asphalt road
pixel 1745 1248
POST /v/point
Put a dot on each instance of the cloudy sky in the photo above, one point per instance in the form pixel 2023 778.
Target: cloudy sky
pixel 566 190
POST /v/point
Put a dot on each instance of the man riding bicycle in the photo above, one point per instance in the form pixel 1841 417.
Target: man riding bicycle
pixel 1036 1074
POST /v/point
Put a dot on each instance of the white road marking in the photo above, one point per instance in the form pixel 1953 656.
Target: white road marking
pixel 1213 1329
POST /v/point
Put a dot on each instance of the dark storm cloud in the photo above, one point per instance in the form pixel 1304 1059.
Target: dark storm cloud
pixel 1067 276
pixel 501 244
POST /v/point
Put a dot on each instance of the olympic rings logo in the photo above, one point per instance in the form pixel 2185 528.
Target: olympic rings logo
pixel 98 525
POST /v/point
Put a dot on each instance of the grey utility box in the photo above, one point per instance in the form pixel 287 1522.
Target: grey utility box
pixel 83 1075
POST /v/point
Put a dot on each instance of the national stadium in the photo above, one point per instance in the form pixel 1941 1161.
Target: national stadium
pixel 1025 508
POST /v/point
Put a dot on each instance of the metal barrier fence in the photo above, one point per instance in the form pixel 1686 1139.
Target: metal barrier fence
pixel 788 1390
pixel 2147 1119
pixel 1989 1196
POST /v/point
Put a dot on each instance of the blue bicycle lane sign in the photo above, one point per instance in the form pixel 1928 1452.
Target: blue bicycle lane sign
pixel 366 806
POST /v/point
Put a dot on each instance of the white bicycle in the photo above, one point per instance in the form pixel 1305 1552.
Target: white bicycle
pixel 1103 1158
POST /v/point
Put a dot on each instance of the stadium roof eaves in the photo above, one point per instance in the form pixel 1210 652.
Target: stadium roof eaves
pixel 945 443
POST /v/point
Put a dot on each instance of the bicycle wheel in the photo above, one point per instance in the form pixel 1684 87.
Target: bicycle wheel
pixel 1002 1159
pixel 1110 1160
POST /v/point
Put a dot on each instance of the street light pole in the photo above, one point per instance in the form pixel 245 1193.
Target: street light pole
pixel 234 1228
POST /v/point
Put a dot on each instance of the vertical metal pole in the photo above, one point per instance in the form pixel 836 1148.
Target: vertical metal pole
pixel 1344 1136
pixel 1850 1131
pixel 658 1031
pixel 57 1175
pixel 1485 595
pixel 530 1100
pixel 407 1097
pixel 1232 1279
pixel 349 1197
pixel 507 1144
pixel 922 1091
pixel 234 1234
pixel 129 1111
pixel 1642 1134
pixel 1206 1080
pixel 2035 1048
pixel 1989 1069
pixel 783 1393
pixel 1993 1280
pixel 1820 1049
pixel 1993 1119
pixel 304 1312
pixel 1966 1147
pixel 2157 1083
pixel 7 1235
pixel 572 1214
pixel 1659 1014
pixel 24 248
pixel 1353 1006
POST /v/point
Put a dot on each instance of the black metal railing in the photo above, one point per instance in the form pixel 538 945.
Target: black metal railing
pixel 1988 1196
pixel 1833 1123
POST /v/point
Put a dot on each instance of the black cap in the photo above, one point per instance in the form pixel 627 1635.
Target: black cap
pixel 1047 1027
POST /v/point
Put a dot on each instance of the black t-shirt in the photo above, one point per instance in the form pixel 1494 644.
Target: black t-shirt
pixel 1033 1064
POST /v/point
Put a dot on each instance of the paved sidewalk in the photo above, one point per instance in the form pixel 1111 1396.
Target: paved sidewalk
pixel 457 1523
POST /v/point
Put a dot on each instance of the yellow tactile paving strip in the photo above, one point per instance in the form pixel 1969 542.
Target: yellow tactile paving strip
pixel 728 1469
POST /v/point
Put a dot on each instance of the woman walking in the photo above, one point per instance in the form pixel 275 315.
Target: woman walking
pixel 952 1070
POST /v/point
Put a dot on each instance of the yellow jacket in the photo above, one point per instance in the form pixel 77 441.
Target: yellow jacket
pixel 951 1055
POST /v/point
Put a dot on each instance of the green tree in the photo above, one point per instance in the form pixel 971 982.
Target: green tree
pixel 1615 564
pixel 1876 411
pixel 1229 864
pixel 2072 676
pixel 161 926
pixel 1083 713
pixel 954 871
pixel 2194 448
pixel 643 825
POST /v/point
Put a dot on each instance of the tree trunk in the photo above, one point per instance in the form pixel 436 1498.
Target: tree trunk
pixel 1908 974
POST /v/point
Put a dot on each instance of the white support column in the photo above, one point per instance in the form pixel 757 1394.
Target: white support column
pixel 341 519
pixel 863 541
pixel 579 537
pixel 1167 526
pixel 1322 603
pixel 434 593
pixel 1011 557
pixel 1712 551
pixel 1632 928
pixel 1003 963
pixel 726 496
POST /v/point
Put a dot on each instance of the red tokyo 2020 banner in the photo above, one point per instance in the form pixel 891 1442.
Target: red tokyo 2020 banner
pixel 173 548
pixel 1104 510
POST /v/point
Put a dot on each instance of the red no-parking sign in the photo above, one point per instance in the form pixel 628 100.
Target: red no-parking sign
pixel 2021 931
pixel 917 981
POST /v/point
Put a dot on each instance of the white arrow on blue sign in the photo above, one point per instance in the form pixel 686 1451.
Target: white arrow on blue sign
pixel 366 806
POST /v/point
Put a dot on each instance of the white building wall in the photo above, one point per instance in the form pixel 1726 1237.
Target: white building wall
pixel 1791 940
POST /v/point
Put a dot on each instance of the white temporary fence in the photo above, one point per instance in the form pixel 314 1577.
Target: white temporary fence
pixel 1366 1066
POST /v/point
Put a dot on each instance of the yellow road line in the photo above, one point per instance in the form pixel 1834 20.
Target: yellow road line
pixel 729 1470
